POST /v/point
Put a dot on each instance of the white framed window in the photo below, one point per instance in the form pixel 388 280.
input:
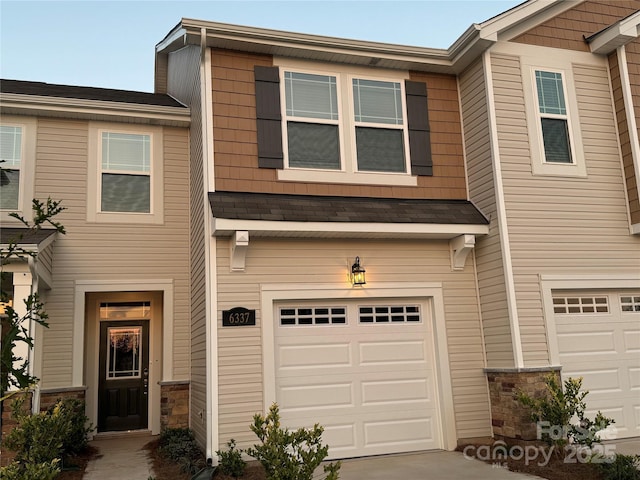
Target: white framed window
pixel 553 123
pixel 345 124
pixel 17 150
pixel 125 172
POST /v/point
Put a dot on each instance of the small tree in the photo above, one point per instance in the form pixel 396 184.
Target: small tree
pixel 558 408
pixel 289 455
pixel 14 370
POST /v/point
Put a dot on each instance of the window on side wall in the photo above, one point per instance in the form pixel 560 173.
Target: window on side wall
pixel 17 152
pixel 342 126
pixel 554 127
pixel 553 117
pixel 10 165
pixel 126 172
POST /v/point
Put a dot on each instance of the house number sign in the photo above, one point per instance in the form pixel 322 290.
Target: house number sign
pixel 238 317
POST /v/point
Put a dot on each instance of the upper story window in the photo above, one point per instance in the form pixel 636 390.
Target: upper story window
pixel 11 161
pixel 553 117
pixel 326 115
pixel 17 152
pixel 125 174
pixel 348 125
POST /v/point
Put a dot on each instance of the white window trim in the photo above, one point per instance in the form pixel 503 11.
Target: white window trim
pixel 156 173
pixel 539 165
pixel 27 168
pixel 346 126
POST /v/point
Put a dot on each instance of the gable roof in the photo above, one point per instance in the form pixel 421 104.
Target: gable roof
pixel 327 216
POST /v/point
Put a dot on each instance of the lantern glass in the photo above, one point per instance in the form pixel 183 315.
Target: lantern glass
pixel 358 273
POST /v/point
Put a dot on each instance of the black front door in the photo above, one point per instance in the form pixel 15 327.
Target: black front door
pixel 123 399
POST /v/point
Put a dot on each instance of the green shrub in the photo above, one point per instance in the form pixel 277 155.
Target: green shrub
pixel 558 407
pixel 289 455
pixel 41 441
pixel 179 446
pixel 231 462
pixel 623 467
pixel 31 471
pixel 77 437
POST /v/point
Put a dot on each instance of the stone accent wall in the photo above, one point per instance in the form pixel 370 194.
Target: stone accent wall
pixel 49 398
pixel 8 423
pixel 509 419
pixel 174 405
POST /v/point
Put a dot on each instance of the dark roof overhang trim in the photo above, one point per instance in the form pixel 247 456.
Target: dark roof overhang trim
pixel 281 215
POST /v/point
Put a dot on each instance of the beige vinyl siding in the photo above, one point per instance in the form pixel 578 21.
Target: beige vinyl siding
pixel 184 84
pixel 561 225
pixel 296 262
pixel 94 251
pixel 495 315
pixel 45 259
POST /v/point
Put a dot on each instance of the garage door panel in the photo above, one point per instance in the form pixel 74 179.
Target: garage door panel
pixel 302 356
pixel 604 349
pixel 399 434
pixel 314 396
pixel 370 385
pixel 597 342
pixel 394 391
pixel 632 341
pixel 377 353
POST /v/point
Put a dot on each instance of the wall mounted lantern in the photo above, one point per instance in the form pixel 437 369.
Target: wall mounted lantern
pixel 357 273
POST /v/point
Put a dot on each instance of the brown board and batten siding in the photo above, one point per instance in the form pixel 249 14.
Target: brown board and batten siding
pixel 632 51
pixel 278 260
pixel 236 155
pixel 589 234
pixel 184 84
pixel 625 140
pixel 488 253
pixel 101 251
pixel 568 29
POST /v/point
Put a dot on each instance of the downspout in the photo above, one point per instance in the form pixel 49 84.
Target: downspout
pixel 36 351
pixel 211 304
pixel 501 214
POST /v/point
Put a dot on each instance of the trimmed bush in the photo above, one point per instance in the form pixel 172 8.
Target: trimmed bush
pixel 179 445
pixel 231 462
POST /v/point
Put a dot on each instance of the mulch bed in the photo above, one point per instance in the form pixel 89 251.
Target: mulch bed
pixel 75 466
pixel 551 467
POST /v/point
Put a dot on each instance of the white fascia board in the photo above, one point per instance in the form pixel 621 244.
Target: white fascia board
pixel 94 109
pixel 224 227
pixel 617 35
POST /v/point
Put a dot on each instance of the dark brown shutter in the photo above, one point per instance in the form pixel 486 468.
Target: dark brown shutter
pixel 418 124
pixel 269 118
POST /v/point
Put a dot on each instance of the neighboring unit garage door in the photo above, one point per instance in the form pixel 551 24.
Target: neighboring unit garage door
pixel 599 339
pixel 364 371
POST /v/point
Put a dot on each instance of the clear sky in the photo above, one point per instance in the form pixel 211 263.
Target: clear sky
pixel 111 44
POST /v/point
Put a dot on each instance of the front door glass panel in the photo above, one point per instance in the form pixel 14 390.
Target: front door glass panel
pixel 123 352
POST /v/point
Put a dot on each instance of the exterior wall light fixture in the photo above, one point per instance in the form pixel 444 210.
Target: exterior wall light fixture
pixel 357 273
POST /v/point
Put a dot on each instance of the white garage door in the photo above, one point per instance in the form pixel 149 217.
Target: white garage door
pixel 599 339
pixel 365 372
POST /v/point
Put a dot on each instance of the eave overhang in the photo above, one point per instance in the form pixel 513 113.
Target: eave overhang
pixel 26 239
pixel 453 60
pixel 83 109
pixel 309 216
pixel 616 35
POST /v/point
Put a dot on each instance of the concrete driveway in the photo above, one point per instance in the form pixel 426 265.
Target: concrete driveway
pixel 125 457
pixel 435 465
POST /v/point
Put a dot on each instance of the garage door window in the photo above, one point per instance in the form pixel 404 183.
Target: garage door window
pixel 630 303
pixel 573 305
pixel 389 313
pixel 313 315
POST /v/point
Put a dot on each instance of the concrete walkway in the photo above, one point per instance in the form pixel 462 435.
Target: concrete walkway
pixel 120 457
